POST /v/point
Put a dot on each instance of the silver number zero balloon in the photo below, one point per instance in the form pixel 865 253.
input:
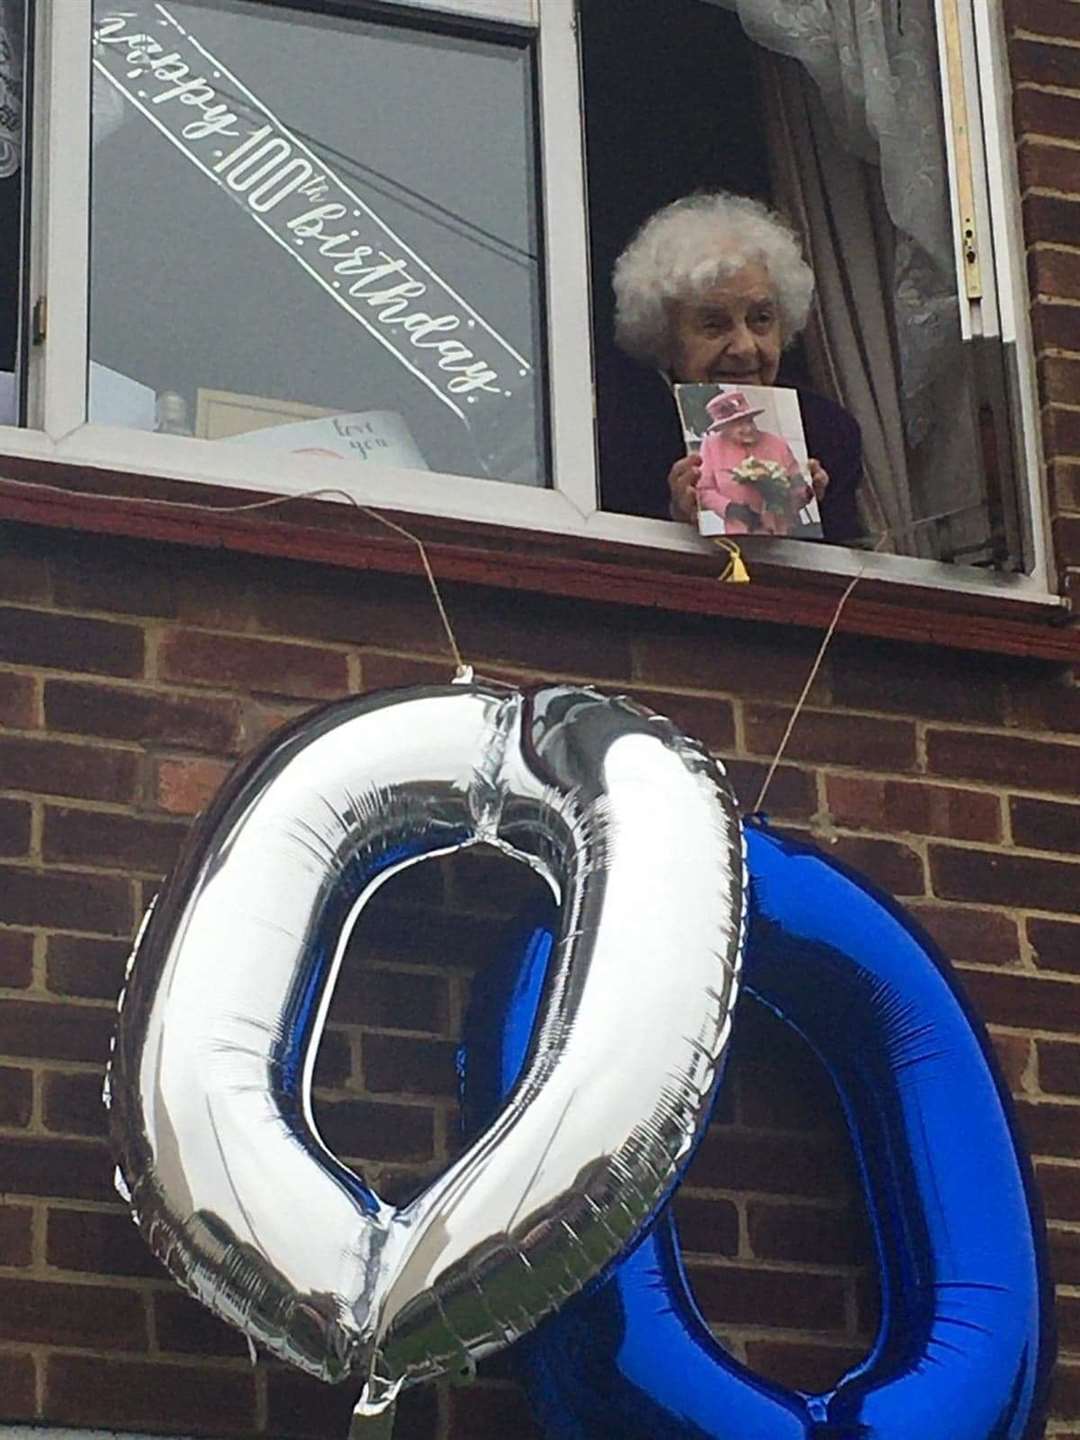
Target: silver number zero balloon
pixel 633 827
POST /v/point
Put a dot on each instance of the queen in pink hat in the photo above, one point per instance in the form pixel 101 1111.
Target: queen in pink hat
pixel 748 506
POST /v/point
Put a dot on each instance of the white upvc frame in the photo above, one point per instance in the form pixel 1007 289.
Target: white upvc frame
pixel 979 103
pixel 61 137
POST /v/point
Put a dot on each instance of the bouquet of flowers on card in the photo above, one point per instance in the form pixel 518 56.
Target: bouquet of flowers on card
pixel 771 481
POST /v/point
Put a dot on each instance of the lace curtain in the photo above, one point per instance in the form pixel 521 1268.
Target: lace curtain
pixel 11 86
pixel 875 65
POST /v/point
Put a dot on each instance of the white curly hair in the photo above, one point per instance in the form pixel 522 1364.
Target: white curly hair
pixel 689 247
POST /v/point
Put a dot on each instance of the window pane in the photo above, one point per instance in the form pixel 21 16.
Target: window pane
pixel 307 234
pixel 13 186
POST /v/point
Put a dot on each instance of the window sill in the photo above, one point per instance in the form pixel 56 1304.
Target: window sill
pixel 896 599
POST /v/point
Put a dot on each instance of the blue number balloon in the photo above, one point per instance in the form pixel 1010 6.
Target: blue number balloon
pixel 966 1338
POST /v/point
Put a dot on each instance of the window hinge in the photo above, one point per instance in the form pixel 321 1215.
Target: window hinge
pixel 38 320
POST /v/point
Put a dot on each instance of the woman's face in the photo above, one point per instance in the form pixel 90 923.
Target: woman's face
pixel 743 432
pixel 731 333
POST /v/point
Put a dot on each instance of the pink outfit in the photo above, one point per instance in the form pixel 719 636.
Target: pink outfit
pixel 716 489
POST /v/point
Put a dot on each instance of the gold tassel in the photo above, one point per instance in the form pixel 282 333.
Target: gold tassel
pixel 735 571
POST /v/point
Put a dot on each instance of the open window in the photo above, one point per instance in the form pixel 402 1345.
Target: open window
pixel 866 126
pixel 366 245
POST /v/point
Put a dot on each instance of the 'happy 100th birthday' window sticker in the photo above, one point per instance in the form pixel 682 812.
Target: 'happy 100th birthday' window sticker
pixel 354 258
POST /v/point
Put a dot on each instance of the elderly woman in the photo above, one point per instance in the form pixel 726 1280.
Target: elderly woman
pixel 711 290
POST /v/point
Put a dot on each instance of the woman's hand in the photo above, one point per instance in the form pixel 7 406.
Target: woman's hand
pixel 819 478
pixel 682 482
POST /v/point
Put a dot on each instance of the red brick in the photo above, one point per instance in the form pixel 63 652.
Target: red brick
pixel 16 959
pixel 1053 705
pixel 1050 1129
pixel 93 1316
pixel 739 1295
pixel 375 1130
pixel 1060 376
pixel 18 1387
pixel 70 642
pixel 98 1242
pixel 1013 1054
pixel 1008 760
pixel 969 935
pixel 799 1365
pixel 771 1164
pixel 66 900
pixel 261 720
pixel 1050 218
pixel 393 999
pixel 1059 1067
pixel 1068 1322
pixel 14 828
pixel 301 1406
pixel 792 793
pixel 388 672
pixel 488 1412
pixel 16 1095
pixel 185 1327
pixel 895 867
pixel 16 1238
pixel 18 703
pixel 861 802
pixel 1056 944
pixel 832 738
pixel 1065 1256
pixel 707 1225
pixel 1003 879
pixel 1044 825
pixel 906 680
pixel 84 968
pixel 266 666
pixel 68 1169
pixel 125 577
pixel 111 841
pixel 1049 167
pixel 1024 1001
pixel 1066 528
pixel 83 1390
pixel 73 1104
pixel 47 1030
pixel 1065 1392
pixel 1056 325
pixel 151 717
pixel 1065 495
pixel 24 570
pixel 1059 1186
pixel 424 936
pixel 1047 112
pixel 398 1064
pixel 1046 64
pixel 54 767
pixel 1043 17
pixel 674 655
pixel 184 787
pixel 702 718
pixel 807 1233
pixel 333 1066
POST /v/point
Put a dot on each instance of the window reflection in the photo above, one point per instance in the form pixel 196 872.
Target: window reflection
pixel 316 235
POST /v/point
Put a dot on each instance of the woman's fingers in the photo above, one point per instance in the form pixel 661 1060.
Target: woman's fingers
pixel 819 477
pixel 682 482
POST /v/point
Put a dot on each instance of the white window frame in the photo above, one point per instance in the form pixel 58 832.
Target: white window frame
pixel 60 269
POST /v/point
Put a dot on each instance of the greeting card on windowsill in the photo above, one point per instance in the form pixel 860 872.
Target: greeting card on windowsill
pixel 755 476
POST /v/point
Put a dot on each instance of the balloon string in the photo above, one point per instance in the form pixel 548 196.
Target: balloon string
pixel 462 670
pixel 826 641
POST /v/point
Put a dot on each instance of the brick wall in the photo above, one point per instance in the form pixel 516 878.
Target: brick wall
pixel 1044 48
pixel 131 675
